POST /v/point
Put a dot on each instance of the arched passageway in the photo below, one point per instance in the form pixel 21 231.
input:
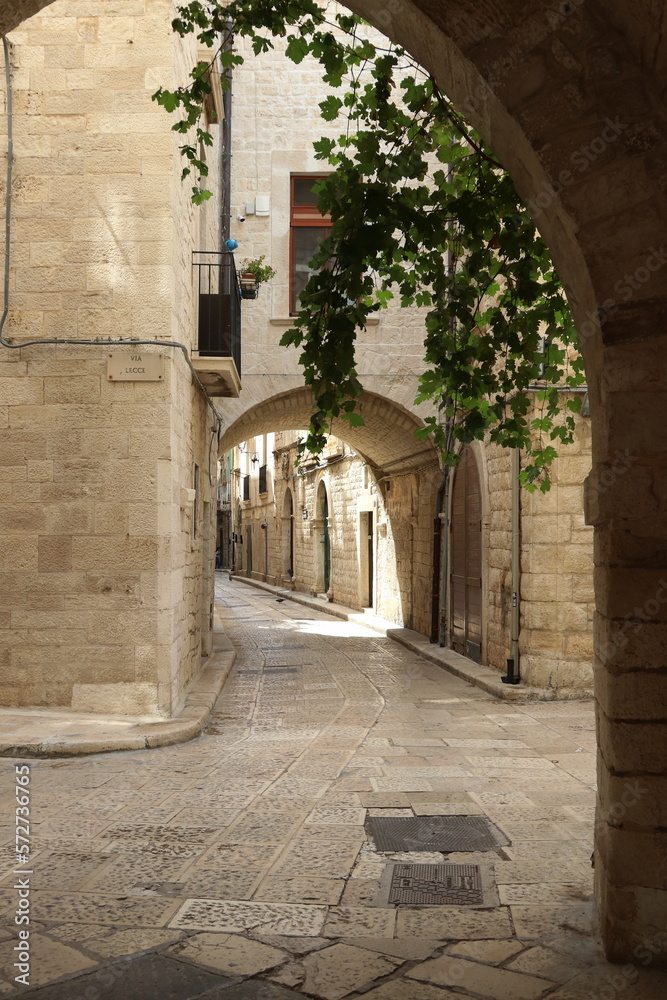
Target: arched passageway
pixel 406 475
pixel 571 98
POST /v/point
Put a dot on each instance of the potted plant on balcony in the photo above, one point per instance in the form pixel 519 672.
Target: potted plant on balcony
pixel 253 273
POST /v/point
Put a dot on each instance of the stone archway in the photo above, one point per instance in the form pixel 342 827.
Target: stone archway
pixel 570 97
pixel 386 440
pixel 405 470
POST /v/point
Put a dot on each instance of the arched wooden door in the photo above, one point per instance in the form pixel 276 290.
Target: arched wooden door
pixel 465 577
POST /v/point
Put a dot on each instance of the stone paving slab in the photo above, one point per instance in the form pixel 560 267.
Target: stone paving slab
pixel 228 954
pixel 486 981
pixel 292 920
pixel 336 972
pixel 151 977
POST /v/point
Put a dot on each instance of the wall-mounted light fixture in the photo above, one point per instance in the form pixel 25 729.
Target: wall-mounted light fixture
pixel 262 204
pixel 585 410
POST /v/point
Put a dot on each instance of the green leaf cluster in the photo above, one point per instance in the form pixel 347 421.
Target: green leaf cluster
pixel 423 212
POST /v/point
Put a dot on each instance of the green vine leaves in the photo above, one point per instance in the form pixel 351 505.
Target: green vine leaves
pixel 421 212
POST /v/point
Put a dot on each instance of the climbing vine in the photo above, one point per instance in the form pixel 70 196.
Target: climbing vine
pixel 421 211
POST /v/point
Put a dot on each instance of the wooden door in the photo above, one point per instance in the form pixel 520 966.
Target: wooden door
pixel 326 542
pixel 248 550
pixel 466 560
pixel 370 558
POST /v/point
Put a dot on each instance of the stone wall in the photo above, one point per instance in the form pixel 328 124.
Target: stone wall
pixel 105 589
pixel 557 599
pixel 556 591
pixel 496 484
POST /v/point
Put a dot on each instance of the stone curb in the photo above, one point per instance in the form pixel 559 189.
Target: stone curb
pixel 482 677
pixel 147 735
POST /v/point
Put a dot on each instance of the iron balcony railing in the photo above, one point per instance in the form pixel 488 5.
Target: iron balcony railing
pixel 219 327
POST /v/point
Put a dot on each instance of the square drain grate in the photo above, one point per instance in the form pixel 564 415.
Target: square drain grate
pixel 434 833
pixel 436 885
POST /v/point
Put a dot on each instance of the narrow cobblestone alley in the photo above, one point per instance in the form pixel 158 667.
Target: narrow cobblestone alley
pixel 238 867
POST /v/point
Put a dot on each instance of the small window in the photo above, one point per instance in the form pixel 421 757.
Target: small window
pixel 246 487
pixel 308 227
pixel 262 479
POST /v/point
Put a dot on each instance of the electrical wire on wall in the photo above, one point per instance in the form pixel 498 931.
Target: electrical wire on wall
pixel 96 341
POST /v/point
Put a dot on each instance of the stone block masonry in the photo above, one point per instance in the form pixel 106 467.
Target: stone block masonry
pixel 105 569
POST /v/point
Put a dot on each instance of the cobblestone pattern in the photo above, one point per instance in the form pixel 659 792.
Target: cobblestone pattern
pixel 268 880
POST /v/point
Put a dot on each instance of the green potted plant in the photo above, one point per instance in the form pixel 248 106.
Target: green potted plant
pixel 253 272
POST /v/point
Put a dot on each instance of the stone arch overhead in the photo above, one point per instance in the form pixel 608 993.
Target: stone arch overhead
pixel 15 11
pixel 386 440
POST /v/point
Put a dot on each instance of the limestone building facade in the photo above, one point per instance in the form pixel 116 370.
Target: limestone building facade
pixel 107 484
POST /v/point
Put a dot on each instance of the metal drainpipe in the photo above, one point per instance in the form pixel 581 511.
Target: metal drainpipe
pixel 438 598
pixel 513 675
pixel 437 549
pixel 442 509
pixel 226 161
pixel 444 519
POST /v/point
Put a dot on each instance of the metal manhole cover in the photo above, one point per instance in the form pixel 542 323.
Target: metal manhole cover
pixel 436 885
pixel 434 833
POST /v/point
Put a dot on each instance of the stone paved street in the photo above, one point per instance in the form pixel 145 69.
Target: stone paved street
pixel 237 866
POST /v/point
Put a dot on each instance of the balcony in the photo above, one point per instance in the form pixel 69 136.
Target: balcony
pixel 217 359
